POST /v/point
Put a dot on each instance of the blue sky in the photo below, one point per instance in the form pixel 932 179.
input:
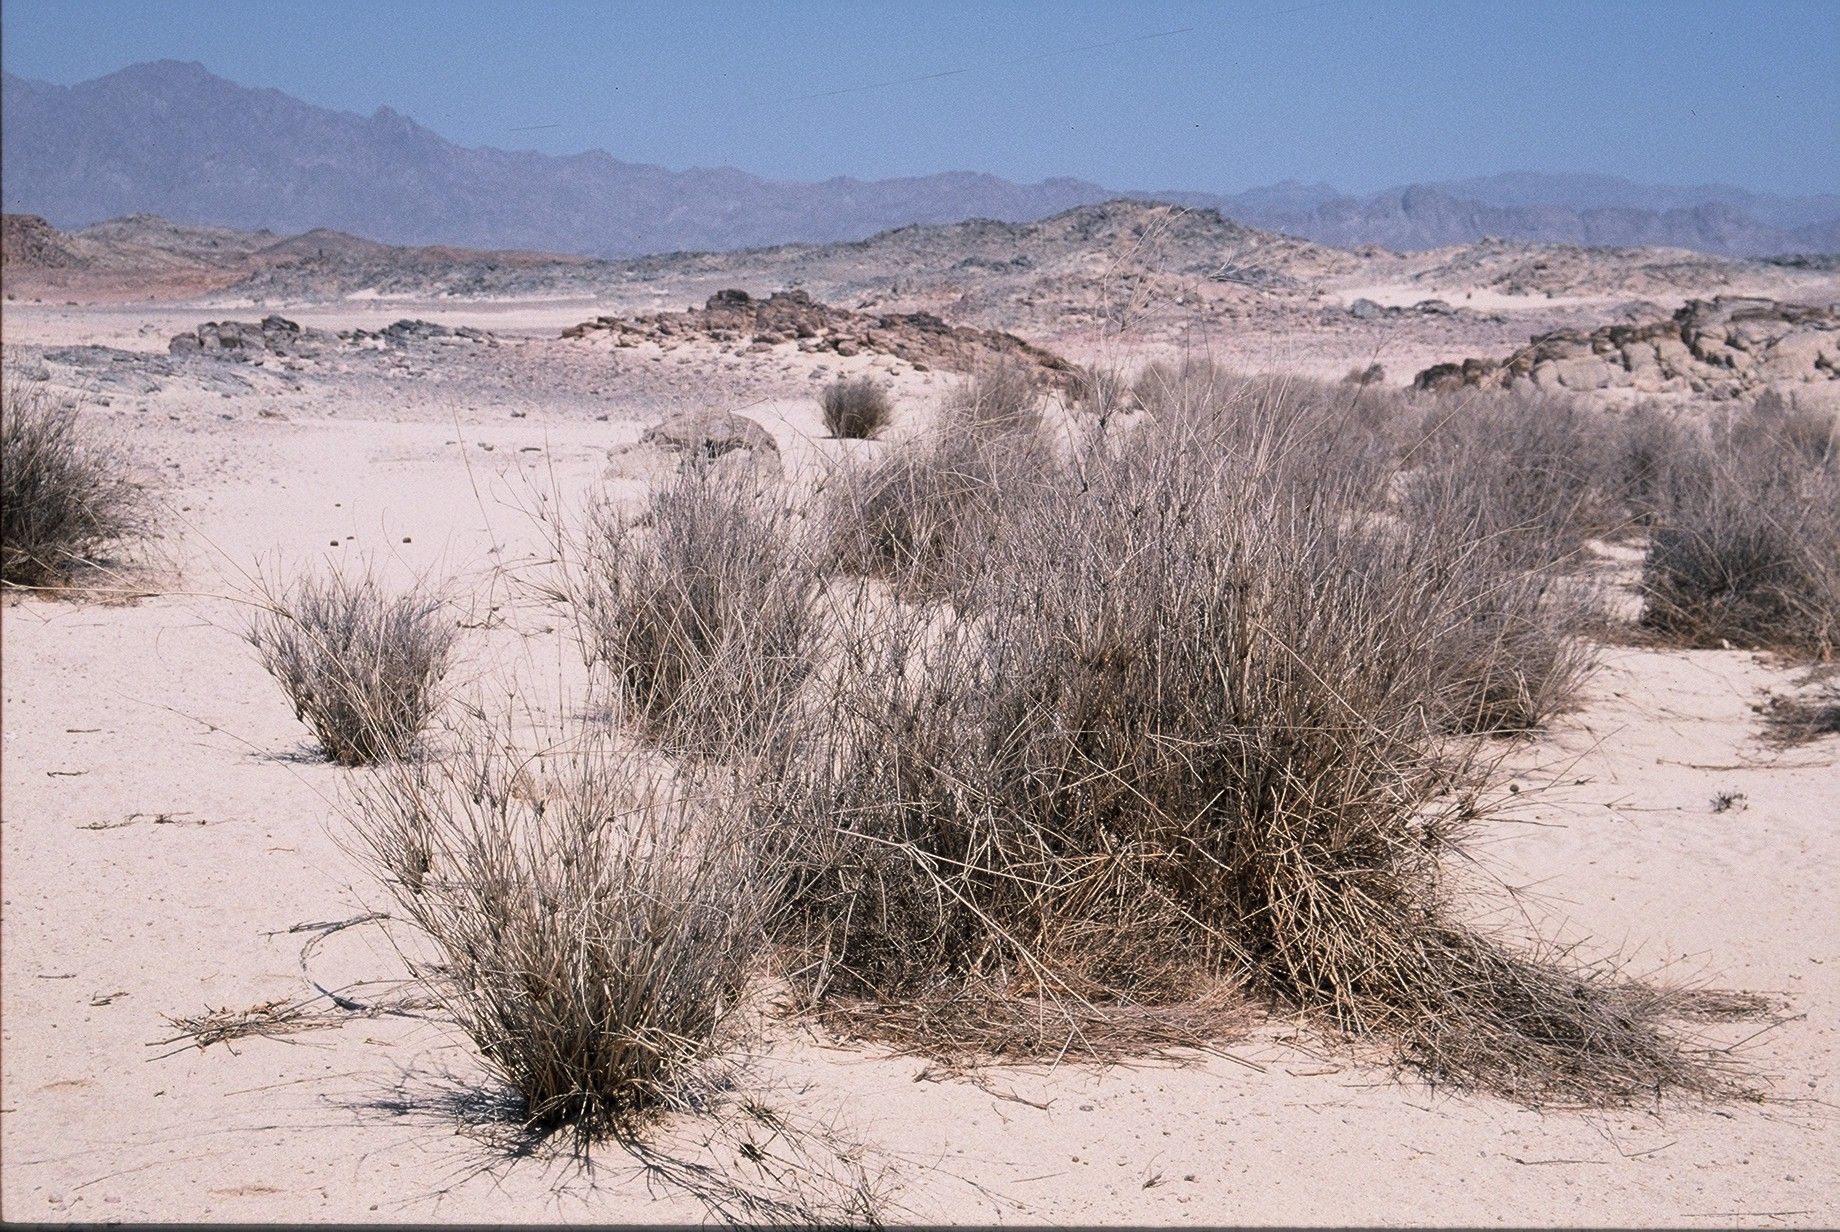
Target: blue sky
pixel 1219 96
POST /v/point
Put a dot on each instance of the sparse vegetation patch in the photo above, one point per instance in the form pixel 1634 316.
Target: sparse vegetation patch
pixel 68 496
pixel 362 665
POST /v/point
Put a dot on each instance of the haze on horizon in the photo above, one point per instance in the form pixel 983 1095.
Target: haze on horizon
pixel 1175 94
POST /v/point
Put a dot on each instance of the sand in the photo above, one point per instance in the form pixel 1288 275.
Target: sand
pixel 167 828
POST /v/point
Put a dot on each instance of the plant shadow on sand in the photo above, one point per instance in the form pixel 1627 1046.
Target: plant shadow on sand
pixel 744 1162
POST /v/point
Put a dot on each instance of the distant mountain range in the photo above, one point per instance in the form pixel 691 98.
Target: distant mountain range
pixel 171 138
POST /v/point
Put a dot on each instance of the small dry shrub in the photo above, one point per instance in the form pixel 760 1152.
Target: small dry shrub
pixel 1373 374
pixel 362 666
pixel 1003 396
pixel 1746 547
pixel 1798 719
pixel 856 409
pixel 701 605
pixel 1179 734
pixel 67 493
pixel 591 918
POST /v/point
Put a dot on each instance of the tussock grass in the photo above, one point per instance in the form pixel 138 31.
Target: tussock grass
pixel 1189 720
pixel 592 917
pixel 1197 727
pixel 362 665
pixel 856 409
pixel 1746 544
pixel 1531 474
pixel 918 515
pixel 1800 719
pixel 1004 396
pixel 700 605
pixel 67 492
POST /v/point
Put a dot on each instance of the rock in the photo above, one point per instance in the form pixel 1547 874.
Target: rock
pixel 1727 347
pixel 731 317
pixel 1366 310
pixel 710 434
pixel 1582 373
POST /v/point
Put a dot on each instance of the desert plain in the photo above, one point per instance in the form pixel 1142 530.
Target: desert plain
pixel 175 846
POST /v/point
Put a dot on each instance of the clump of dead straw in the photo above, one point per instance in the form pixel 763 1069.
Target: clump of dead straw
pixel 362 666
pixel 592 916
pixel 67 489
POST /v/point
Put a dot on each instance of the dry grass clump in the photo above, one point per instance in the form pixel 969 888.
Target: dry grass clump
pixel 1298 427
pixel 701 606
pixel 1183 737
pixel 1746 546
pixel 1776 423
pixel 856 409
pixel 362 666
pixel 1099 394
pixel 1180 734
pixel 67 494
pixel 1799 719
pixel 1005 396
pixel 1530 473
pixel 1510 652
pixel 917 515
pixel 591 919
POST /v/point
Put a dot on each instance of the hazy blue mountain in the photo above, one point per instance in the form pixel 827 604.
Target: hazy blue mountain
pixel 170 138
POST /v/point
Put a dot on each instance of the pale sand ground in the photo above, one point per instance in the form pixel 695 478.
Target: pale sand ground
pixel 157 707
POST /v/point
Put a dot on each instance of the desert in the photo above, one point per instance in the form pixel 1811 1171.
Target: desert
pixel 1111 714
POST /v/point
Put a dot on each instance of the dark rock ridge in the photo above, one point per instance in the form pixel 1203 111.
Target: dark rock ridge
pixel 746 325
pixel 276 335
pixel 1725 347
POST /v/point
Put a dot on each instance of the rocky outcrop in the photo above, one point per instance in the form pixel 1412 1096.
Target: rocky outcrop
pixel 736 320
pixel 276 335
pixel 1726 347
pixel 29 242
pixel 709 434
pixel 1368 310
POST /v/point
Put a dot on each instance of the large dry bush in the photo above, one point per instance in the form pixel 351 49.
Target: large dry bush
pixel 855 409
pixel 591 918
pixel 361 664
pixel 700 605
pixel 1746 544
pixel 67 492
pixel 1188 728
